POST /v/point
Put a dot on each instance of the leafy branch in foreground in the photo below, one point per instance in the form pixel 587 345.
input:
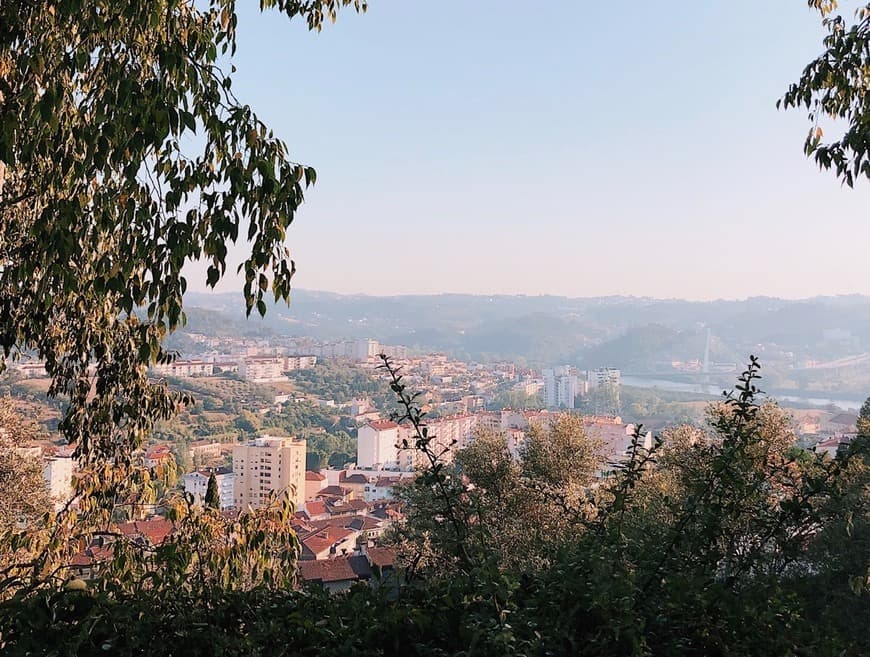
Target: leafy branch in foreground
pixel 833 88
pixel 124 156
pixel 434 476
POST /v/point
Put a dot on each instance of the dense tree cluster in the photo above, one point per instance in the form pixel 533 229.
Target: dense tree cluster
pixel 23 494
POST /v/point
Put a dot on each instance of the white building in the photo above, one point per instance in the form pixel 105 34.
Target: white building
pixel 366 349
pixel 58 473
pixel 396 351
pixel 299 363
pixel 603 376
pixel 196 484
pixel 185 368
pixel 262 370
pixel 31 370
pixel 560 387
pixel 377 445
pixel 379 442
pixel 266 465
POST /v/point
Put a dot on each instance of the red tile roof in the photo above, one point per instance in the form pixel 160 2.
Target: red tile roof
pixel 382 425
pixel 346 506
pixel 322 540
pixel 381 557
pixel 334 570
pixel 315 508
pixel 314 476
pixel 339 491
pixel 91 556
pixel 155 530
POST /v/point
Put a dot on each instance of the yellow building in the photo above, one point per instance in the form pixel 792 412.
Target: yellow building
pixel 268 464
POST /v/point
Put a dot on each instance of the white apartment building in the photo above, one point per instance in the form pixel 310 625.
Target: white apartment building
pixel 196 484
pixel 377 445
pixel 31 370
pixel 603 376
pixel 263 369
pixel 560 387
pixel 185 368
pixel 58 473
pixel 365 349
pixel 379 442
pixel 299 363
pixel 396 351
pixel 265 465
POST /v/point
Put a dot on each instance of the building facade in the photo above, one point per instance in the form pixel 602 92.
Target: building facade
pixel 262 370
pixel 268 465
pixel 376 445
pixel 560 387
pixel 58 473
pixel 185 368
pixel 196 484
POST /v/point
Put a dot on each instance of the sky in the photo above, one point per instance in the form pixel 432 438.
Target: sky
pixel 566 147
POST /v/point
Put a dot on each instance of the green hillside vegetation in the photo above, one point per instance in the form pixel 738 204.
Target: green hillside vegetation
pixel 340 382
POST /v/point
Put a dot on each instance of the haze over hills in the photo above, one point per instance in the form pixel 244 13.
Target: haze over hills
pixel 802 342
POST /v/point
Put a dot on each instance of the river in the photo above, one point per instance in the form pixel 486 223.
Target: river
pixel 682 386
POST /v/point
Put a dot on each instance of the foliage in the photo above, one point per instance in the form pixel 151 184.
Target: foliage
pixel 516 399
pixel 834 87
pixel 342 382
pixel 715 541
pixel 601 400
pixel 212 494
pixel 863 423
pixel 664 407
pixel 124 155
pixel 23 493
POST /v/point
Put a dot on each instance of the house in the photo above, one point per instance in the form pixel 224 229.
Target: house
pixel 381 488
pixel 376 566
pixel 335 575
pixel 315 510
pixel 830 446
pixel 334 492
pixel 87 563
pixel 338 535
pixel 157 455
pixel 151 532
pixel 356 483
pixel 314 483
pixel 345 507
pixel 328 541
pixel 205 450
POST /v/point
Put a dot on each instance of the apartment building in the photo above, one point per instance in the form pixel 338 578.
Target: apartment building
pixel 185 368
pixel 299 363
pixel 604 376
pixel 196 484
pixel 376 445
pixel 268 464
pixel 58 474
pixel 262 370
pixel 560 387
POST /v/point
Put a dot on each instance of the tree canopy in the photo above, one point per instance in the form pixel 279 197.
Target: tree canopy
pixel 124 155
pixel 833 89
pixel 23 493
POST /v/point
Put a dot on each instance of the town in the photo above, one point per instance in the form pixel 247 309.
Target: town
pixel 344 508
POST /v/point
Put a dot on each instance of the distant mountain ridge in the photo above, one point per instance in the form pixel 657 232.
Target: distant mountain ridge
pixel 629 332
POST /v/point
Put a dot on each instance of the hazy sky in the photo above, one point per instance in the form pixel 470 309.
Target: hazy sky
pixel 565 147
